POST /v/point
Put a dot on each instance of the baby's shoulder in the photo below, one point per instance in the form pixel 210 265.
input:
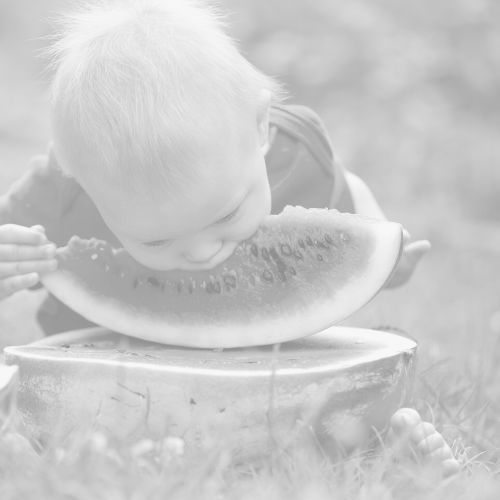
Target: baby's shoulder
pixel 295 127
pixel 297 120
pixel 45 181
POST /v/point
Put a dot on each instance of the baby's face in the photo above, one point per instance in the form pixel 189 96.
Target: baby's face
pixel 200 228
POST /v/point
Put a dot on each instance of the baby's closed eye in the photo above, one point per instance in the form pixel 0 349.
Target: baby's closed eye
pixel 158 243
pixel 228 217
pixel 168 242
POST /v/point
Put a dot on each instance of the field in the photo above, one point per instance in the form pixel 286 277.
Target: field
pixel 409 93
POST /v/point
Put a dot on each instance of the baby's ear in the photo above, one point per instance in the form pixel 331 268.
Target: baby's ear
pixel 263 109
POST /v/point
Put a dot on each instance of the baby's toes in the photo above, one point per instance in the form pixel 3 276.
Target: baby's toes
pixel 410 436
pixel 404 420
pixel 434 447
pixel 421 432
pixel 444 459
pixel 450 467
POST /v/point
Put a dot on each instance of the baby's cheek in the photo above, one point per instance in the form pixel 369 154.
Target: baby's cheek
pixel 157 262
pixel 243 230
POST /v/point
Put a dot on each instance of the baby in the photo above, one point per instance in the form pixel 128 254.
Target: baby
pixel 168 142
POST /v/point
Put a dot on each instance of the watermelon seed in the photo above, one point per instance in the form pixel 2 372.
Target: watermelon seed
pixel 319 257
pixel 285 249
pixel 267 276
pixel 153 281
pixel 292 270
pixel 229 281
pixel 298 255
pixel 213 287
pixel 279 263
pixel 302 244
pixel 191 287
pixel 309 241
pixel 255 250
pixel 320 244
pixel 265 253
pixel 179 287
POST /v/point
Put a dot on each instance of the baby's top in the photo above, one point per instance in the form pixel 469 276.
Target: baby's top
pixel 301 169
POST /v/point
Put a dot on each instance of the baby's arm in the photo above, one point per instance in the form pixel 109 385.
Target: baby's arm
pixel 365 204
pixel 363 199
pixel 27 211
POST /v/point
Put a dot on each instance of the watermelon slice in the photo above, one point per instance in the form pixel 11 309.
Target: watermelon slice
pixel 304 270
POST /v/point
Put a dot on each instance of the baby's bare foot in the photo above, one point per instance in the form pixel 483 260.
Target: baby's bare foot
pixel 410 434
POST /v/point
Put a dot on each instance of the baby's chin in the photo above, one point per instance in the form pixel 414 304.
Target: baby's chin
pixel 185 265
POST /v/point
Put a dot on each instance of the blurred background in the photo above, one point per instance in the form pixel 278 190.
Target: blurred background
pixel 409 92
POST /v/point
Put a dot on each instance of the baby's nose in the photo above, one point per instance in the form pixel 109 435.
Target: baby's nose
pixel 203 251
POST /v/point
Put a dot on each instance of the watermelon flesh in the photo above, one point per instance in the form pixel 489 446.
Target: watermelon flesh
pixel 301 272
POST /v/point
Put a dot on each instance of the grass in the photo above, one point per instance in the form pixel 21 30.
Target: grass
pixel 409 93
pixel 90 464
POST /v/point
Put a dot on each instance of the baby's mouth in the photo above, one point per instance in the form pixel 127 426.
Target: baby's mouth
pixel 220 256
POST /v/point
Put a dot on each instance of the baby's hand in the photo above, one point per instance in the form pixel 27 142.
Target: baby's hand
pixel 412 253
pixel 25 253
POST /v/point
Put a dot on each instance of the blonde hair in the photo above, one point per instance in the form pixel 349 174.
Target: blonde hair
pixel 136 80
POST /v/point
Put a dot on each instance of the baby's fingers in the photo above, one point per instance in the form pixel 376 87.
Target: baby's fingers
pixel 12 233
pixel 8 269
pixel 26 252
pixel 417 249
pixel 14 284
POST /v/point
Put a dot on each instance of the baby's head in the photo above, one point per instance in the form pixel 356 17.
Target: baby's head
pixel 165 125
